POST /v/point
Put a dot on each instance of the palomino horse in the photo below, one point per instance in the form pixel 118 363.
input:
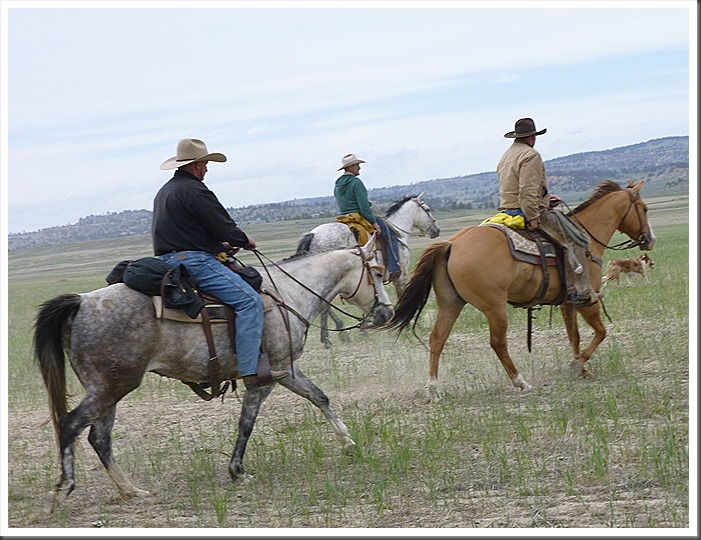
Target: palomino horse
pixel 404 216
pixel 113 338
pixel 475 266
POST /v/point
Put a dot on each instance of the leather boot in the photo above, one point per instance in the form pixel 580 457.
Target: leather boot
pixel 252 381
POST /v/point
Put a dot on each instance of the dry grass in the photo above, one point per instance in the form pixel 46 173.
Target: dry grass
pixel 609 452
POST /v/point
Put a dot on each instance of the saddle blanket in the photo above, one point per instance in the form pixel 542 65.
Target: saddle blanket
pixel 216 312
pixel 522 248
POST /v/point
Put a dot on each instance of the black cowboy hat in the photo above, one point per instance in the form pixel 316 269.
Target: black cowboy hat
pixel 525 127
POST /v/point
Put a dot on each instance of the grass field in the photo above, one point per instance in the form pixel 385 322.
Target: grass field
pixel 608 452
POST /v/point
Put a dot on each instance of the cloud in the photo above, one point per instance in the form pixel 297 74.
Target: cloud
pixel 98 98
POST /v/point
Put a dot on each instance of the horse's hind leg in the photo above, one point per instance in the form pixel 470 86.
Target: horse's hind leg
pixel 252 402
pixel 439 335
pixel 101 440
pixel 302 386
pixel 498 324
pixel 70 427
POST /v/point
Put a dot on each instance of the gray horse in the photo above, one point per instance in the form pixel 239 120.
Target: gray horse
pixel 113 337
pixel 404 216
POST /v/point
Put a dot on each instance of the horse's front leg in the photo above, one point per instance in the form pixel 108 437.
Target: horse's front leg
pixel 343 335
pixel 569 316
pixel 400 283
pixel 324 325
pixel 252 402
pixel 592 315
pixel 302 386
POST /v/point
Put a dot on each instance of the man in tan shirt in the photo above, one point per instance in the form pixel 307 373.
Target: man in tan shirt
pixel 523 188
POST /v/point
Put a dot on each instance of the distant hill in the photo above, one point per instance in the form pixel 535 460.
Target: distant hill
pixel 663 163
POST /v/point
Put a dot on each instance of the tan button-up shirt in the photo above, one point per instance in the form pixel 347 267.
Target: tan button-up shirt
pixel 522 180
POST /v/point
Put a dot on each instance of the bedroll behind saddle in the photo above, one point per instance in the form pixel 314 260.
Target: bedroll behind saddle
pixel 153 277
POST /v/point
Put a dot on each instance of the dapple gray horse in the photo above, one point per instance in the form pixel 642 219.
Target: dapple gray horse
pixel 404 216
pixel 113 337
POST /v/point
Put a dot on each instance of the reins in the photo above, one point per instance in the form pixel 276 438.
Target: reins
pixel 281 303
pixel 626 244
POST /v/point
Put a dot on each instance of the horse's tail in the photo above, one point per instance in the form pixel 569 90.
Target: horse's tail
pixel 50 328
pixel 304 243
pixel 414 298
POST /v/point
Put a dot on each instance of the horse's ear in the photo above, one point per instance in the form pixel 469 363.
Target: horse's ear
pixel 369 247
pixel 420 196
pixel 635 187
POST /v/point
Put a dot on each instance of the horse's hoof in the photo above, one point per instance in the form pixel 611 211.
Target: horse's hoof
pixel 134 493
pixel 241 477
pixel 348 447
pixel 344 337
pixel 53 501
pixel 433 395
pixel 520 382
pixel 327 343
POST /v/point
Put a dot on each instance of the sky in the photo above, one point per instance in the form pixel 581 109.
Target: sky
pixel 97 94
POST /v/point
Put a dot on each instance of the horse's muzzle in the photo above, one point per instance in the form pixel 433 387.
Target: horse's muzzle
pixel 647 244
pixel 380 316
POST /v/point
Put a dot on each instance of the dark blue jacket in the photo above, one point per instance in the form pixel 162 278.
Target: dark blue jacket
pixel 187 216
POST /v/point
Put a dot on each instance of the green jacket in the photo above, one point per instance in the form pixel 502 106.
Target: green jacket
pixel 351 196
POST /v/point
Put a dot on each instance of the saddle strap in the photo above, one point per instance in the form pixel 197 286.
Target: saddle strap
pixel 214 371
pixel 213 366
pixel 546 275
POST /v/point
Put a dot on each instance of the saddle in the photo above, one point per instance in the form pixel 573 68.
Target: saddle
pixel 174 298
pixel 535 248
pixel 213 312
pixel 362 229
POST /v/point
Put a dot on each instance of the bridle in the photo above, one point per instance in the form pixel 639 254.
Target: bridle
pixel 423 206
pixel 367 270
pixel 626 244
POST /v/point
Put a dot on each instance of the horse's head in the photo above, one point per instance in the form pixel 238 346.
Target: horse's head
pixel 370 294
pixel 424 220
pixel 636 223
pixel 612 208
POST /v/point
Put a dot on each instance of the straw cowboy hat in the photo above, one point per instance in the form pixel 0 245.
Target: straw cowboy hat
pixel 348 160
pixel 525 127
pixel 189 151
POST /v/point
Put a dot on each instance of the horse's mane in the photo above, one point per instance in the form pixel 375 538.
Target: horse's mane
pixel 604 188
pixel 295 256
pixel 305 254
pixel 396 205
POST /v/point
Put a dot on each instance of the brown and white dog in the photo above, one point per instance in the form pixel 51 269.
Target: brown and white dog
pixel 616 267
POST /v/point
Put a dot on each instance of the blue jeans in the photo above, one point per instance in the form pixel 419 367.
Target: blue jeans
pixel 212 277
pixel 391 251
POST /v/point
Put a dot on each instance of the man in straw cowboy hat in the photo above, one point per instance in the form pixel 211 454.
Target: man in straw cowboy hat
pixel 523 188
pixel 191 227
pixel 356 212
